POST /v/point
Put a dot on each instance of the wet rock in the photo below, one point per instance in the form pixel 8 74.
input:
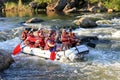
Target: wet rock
pixel 60 5
pixel 70 10
pixel 34 20
pixel 110 10
pixel 103 9
pixel 33 5
pixel 85 23
pixel 1 5
pixel 71 6
pixel 94 9
pixel 36 5
pixel 5 59
pixel 66 5
pixel 89 41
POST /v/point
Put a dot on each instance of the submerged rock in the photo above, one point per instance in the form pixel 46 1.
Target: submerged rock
pixel 89 41
pixel 5 59
pixel 34 20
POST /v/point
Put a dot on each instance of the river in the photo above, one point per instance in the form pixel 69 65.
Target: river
pixel 102 62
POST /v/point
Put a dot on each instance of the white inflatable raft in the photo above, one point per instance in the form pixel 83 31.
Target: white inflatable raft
pixel 72 54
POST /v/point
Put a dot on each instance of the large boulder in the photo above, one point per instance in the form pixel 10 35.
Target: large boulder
pixel 5 59
pixel 94 9
pixel 33 5
pixel 85 23
pixel 70 10
pixel 60 5
pixel 70 7
pixel 66 6
pixel 71 4
pixel 1 5
pixel 36 5
pixel 34 20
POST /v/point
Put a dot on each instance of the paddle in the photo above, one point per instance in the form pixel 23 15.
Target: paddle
pixel 53 54
pixel 17 49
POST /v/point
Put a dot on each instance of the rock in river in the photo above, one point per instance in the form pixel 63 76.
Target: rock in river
pixel 85 23
pixel 34 20
pixel 5 59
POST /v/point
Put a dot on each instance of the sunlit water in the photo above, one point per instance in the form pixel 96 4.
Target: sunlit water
pixel 102 62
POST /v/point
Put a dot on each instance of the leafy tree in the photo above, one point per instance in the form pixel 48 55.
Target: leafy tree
pixel 40 1
pixel 114 4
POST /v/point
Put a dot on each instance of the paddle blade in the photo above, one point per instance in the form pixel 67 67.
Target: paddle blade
pixel 52 56
pixel 17 49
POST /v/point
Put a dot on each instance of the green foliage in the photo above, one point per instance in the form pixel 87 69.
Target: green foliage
pixel 40 1
pixel 117 5
pixel 93 1
pixel 13 1
pixel 10 5
pixel 23 1
pixel 108 4
pixel 114 4
pixel 26 1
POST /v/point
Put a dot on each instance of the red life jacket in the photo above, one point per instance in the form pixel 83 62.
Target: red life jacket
pixel 37 44
pixel 24 35
pixel 41 36
pixel 49 43
pixel 41 42
pixel 72 38
pixel 64 37
pixel 31 40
